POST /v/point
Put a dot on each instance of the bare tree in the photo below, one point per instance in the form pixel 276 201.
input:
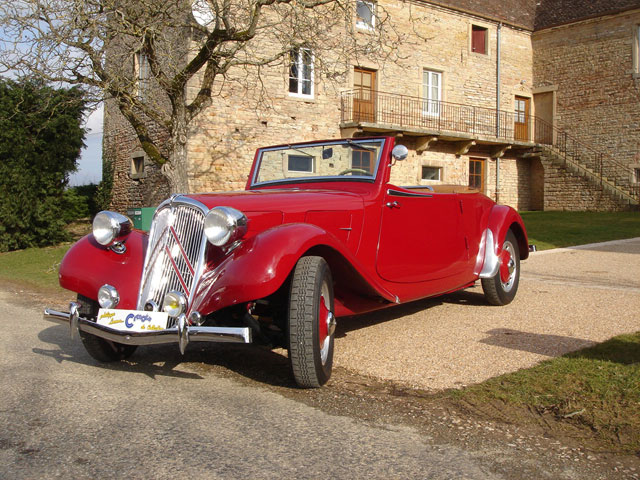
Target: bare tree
pixel 144 54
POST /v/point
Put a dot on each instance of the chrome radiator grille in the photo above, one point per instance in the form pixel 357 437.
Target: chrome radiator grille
pixel 175 252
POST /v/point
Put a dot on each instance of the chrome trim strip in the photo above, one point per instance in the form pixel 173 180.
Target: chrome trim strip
pixel 170 335
pixel 397 193
pixel 491 262
pixel 418 187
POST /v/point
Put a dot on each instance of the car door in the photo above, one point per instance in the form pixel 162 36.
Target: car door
pixel 421 237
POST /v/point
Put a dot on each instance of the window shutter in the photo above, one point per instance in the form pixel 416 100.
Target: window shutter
pixel 479 39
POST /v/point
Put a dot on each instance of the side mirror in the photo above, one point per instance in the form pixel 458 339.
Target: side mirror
pixel 399 153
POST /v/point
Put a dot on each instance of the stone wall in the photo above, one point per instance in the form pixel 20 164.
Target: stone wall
pixel 588 65
pixel 224 138
pixel 598 87
pixel 564 190
pixel 120 145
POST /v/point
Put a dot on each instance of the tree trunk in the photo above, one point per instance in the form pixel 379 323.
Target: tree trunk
pixel 175 171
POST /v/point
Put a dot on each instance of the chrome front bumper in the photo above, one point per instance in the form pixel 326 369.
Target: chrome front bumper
pixel 182 333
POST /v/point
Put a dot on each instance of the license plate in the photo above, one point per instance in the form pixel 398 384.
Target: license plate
pixel 132 320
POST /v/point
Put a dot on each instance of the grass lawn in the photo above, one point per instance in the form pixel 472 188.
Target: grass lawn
pixel 35 268
pixel 563 229
pixel 596 389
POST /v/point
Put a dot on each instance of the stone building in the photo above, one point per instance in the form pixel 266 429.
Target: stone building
pixel 534 102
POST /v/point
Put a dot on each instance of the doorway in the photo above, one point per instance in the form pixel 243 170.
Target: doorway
pixel 364 95
pixel 521 120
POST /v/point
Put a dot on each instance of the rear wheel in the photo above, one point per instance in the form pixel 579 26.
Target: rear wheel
pixel 99 348
pixel 502 287
pixel 311 322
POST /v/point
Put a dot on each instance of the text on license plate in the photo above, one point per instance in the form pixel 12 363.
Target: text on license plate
pixel 132 320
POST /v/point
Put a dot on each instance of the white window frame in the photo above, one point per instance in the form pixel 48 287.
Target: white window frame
pixel 436 168
pixel 299 62
pixel 431 105
pixel 360 21
pixel 313 164
pixel 142 71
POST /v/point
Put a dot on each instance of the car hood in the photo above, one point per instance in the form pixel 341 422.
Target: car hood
pixel 339 213
pixel 288 201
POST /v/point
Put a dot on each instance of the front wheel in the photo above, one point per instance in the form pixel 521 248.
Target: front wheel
pixel 99 348
pixel 502 287
pixel 311 322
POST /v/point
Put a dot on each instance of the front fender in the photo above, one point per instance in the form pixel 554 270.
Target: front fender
pixel 259 267
pixel 88 265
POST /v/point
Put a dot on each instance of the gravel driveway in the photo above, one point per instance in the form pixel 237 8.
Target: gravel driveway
pixel 568 299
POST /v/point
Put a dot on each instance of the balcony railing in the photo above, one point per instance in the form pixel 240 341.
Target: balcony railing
pixel 386 110
pixel 404 111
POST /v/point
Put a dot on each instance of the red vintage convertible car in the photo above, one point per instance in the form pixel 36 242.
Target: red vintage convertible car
pixel 319 233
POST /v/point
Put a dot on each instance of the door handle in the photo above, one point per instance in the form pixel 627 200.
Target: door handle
pixel 393 204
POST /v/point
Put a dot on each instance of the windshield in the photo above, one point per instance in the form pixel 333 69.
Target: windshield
pixel 327 161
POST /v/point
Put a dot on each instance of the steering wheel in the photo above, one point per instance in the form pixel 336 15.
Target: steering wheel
pixel 354 170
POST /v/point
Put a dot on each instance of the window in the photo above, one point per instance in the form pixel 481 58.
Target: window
pixel 301 72
pixel 476 173
pixel 636 175
pixel 137 166
pixel 479 39
pixel 300 163
pixel 142 74
pixel 361 160
pixel 432 92
pixel 431 173
pixel 365 14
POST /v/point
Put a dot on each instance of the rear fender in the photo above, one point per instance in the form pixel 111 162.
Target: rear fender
pixel 88 265
pixel 501 219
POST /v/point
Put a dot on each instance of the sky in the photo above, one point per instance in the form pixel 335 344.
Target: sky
pixel 90 162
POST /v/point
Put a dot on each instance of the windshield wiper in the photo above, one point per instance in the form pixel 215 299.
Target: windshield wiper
pixel 359 146
pixel 299 151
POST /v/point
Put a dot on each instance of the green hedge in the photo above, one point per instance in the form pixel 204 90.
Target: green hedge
pixel 40 141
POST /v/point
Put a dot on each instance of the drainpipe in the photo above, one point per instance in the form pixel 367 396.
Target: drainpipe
pixel 499 34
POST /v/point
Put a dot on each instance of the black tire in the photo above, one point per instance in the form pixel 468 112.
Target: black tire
pixel 497 291
pixel 99 348
pixel 311 322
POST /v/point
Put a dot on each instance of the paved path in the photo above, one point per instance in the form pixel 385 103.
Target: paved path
pixel 568 299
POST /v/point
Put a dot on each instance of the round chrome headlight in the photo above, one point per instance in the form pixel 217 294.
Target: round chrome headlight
pixel 174 303
pixel 224 225
pixel 108 296
pixel 110 227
